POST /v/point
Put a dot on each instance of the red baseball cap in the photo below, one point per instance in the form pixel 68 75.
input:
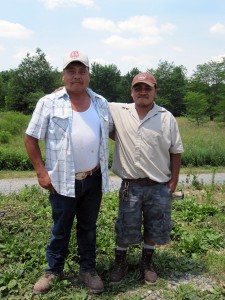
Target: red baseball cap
pixel 145 77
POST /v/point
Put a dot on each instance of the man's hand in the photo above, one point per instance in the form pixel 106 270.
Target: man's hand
pixel 172 185
pixel 45 182
pixel 34 153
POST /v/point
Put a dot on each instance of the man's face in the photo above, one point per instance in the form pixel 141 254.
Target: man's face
pixel 76 77
pixel 143 95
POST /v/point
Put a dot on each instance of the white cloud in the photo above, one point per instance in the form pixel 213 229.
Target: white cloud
pixel 144 25
pixel 99 24
pixel 121 42
pixel 23 53
pixel 2 48
pixel 217 28
pixel 139 24
pixel 144 29
pixel 52 4
pixel 100 61
pixel 218 58
pixel 14 30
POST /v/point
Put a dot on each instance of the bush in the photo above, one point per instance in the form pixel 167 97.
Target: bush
pixel 4 137
pixel 14 160
pixel 13 122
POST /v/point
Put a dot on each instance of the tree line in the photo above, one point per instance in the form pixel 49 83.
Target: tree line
pixel 200 97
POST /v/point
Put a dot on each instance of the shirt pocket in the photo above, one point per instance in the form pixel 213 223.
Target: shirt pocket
pixel 59 123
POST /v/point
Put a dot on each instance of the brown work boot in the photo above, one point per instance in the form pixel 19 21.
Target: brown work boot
pixel 43 285
pixel 92 281
pixel 120 267
pixel 148 272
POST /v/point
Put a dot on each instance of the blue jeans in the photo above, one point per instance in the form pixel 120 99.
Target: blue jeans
pixel 85 207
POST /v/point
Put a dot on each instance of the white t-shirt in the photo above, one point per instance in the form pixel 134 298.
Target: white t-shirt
pixel 85 139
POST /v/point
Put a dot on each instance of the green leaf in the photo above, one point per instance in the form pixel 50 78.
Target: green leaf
pixel 12 284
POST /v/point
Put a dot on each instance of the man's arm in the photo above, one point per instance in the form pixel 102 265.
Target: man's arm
pixel 35 156
pixel 175 163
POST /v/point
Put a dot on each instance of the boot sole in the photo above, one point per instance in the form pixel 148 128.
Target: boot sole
pixel 40 293
pixel 150 283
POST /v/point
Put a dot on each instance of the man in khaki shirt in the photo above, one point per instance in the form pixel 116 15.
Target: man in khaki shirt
pixel 147 157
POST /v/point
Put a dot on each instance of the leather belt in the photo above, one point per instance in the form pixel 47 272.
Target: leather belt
pixel 83 175
pixel 142 181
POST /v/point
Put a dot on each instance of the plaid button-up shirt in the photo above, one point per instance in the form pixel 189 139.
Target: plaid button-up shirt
pixel 51 121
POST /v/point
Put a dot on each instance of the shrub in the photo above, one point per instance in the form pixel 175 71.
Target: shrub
pixel 4 137
pixel 13 122
pixel 14 160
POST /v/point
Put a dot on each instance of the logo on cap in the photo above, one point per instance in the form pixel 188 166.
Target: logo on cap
pixel 142 77
pixel 74 54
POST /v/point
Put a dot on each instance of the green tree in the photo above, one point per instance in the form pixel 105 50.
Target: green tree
pixel 171 86
pixel 209 78
pixel 32 99
pixel 196 107
pixel 105 80
pixel 4 88
pixel 220 106
pixel 125 86
pixel 34 74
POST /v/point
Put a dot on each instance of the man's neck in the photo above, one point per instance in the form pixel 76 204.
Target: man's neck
pixel 142 111
pixel 80 101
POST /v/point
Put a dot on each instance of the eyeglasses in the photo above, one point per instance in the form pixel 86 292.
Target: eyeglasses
pixel 146 89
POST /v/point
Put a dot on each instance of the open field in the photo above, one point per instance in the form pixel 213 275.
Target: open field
pixel 204 145
pixel 192 266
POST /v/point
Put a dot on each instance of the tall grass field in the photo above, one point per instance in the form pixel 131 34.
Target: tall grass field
pixel 204 145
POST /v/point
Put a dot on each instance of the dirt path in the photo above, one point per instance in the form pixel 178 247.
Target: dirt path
pixel 16 184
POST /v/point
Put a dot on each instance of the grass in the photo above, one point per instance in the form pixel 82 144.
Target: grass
pixel 192 266
pixel 204 145
pixel 4 174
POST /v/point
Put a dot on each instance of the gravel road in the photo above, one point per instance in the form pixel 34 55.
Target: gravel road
pixel 14 185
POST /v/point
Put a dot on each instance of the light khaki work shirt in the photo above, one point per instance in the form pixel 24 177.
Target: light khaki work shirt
pixel 143 147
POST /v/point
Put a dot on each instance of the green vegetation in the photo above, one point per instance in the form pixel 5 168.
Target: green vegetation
pixel 12 150
pixel 192 266
pixel 200 98
pixel 204 145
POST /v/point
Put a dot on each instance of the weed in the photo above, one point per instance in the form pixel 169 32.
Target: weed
pixel 192 266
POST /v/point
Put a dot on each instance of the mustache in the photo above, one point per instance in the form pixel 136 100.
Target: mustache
pixel 76 81
pixel 143 97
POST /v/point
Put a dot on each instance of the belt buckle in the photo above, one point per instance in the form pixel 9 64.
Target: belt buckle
pixel 80 175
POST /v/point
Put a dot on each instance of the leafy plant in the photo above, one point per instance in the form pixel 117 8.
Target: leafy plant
pixel 4 137
pixel 197 249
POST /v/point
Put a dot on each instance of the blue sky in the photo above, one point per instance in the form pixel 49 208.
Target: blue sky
pixel 127 33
